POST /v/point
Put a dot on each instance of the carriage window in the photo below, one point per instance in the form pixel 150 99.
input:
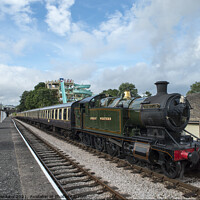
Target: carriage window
pixel 52 114
pixel 60 113
pixel 56 114
pixel 69 114
pixel 65 114
pixel 49 114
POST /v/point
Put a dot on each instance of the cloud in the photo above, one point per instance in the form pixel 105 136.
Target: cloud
pixel 58 16
pixel 147 25
pixel 19 46
pixel 13 47
pixel 143 76
pixel 18 10
pixel 16 79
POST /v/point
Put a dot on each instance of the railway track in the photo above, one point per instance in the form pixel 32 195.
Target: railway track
pixel 184 186
pixel 74 181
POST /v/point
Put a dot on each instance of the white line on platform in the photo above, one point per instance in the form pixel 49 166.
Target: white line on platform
pixel 42 167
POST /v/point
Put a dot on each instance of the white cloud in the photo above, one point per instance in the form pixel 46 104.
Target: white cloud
pixel 11 47
pixel 19 46
pixel 16 79
pixel 19 10
pixel 148 24
pixel 59 16
pixel 144 77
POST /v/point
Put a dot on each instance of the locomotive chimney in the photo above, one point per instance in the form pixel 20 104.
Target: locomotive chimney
pixel 161 87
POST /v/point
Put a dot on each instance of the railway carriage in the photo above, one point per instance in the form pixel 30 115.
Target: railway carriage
pixel 139 129
pixel 52 117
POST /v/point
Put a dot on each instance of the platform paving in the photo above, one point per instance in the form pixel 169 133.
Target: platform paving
pixel 20 175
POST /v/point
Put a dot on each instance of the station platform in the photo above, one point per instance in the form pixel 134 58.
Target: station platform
pixel 20 175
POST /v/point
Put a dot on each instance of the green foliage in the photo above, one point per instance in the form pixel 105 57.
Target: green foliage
pixel 39 85
pixel 112 92
pixel 29 102
pixel 128 87
pixel 22 101
pixel 45 97
pixel 147 94
pixel 122 88
pixel 37 98
pixel 194 88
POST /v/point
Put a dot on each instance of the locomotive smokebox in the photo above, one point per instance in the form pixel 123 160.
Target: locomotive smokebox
pixel 161 87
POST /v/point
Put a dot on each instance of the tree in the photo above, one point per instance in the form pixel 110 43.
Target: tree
pixel 22 106
pixel 112 92
pixel 128 87
pixel 194 88
pixel 147 94
pixel 29 102
pixel 45 97
pixel 37 98
pixel 39 85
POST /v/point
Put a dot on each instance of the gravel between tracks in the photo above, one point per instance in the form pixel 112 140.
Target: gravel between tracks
pixel 128 183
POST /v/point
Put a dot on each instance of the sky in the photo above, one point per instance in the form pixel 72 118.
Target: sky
pixel 99 42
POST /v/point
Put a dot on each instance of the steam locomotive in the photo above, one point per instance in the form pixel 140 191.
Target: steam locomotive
pixel 140 129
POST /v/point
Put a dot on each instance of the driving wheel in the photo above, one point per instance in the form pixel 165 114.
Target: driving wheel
pixel 112 148
pixel 170 168
pixel 98 143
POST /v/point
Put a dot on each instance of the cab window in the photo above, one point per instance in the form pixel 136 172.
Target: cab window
pixel 114 103
pixel 136 104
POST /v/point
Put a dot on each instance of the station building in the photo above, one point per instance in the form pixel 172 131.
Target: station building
pixel 194 123
pixel 73 91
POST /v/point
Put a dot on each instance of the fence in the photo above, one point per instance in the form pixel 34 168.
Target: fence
pixel 2 116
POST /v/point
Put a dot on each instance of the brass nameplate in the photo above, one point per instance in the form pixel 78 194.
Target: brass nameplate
pixel 151 106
